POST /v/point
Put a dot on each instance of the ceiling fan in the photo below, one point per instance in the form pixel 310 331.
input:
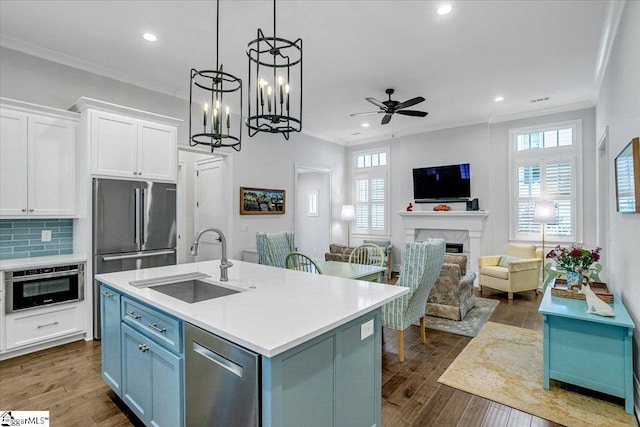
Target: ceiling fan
pixel 391 107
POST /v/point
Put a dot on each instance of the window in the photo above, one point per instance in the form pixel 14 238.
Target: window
pixel 312 206
pixel 545 164
pixel 371 178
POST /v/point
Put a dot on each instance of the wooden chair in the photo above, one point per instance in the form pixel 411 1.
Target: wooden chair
pixel 420 268
pixel 367 253
pixel 301 262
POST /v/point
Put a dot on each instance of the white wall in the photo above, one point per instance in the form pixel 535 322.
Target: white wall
pixel 619 109
pixel 266 161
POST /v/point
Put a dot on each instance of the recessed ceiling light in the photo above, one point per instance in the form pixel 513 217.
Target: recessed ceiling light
pixel 444 9
pixel 365 125
pixel 149 37
pixel 499 98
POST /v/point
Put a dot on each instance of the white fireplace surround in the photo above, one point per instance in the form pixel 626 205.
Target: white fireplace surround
pixel 473 222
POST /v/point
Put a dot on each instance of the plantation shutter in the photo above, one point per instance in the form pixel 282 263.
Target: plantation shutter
pixel 544 164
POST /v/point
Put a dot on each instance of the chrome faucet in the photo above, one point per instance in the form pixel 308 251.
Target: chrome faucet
pixel 224 262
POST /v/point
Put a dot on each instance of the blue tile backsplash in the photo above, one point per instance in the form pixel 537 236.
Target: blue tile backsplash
pixel 21 238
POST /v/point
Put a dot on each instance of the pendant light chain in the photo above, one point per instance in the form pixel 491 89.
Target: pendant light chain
pixel 210 86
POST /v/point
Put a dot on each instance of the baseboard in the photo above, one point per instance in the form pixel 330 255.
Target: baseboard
pixel 636 399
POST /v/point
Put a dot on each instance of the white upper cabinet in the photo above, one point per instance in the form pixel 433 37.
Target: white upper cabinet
pixel 128 143
pixel 113 145
pixel 37 164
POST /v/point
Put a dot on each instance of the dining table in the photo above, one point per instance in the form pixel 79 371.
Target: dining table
pixel 371 273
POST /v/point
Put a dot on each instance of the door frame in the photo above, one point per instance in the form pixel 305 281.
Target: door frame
pixel 299 168
pixel 227 199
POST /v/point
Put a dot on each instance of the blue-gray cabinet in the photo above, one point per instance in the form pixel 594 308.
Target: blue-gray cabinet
pixel 111 338
pixel 142 358
pixel 152 379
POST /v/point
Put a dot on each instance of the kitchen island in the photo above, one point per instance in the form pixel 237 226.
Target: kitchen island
pixel 316 341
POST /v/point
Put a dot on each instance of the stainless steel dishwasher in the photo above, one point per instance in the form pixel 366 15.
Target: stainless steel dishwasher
pixel 222 382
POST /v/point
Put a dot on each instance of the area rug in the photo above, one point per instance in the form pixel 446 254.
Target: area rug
pixel 472 323
pixel 504 364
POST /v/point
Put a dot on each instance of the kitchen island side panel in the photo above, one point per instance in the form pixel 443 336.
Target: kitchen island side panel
pixel 333 379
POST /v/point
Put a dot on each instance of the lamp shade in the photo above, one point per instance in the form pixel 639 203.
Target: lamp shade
pixel 544 212
pixel 348 213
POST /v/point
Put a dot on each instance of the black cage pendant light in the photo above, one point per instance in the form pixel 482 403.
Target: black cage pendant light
pixel 275 84
pixel 210 95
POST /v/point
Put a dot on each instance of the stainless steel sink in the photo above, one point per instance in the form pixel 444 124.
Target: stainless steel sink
pixel 191 291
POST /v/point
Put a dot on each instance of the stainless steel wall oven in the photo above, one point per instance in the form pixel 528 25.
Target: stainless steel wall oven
pixel 37 287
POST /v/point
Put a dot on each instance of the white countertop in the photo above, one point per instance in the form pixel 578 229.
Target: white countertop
pixel 278 310
pixel 42 261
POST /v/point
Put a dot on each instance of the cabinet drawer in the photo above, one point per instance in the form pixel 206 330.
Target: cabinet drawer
pixel 33 327
pixel 153 323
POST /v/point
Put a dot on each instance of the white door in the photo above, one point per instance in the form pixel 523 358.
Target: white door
pixel 209 207
pixel 313 211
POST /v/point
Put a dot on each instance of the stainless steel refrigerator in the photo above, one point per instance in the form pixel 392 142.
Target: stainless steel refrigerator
pixel 134 227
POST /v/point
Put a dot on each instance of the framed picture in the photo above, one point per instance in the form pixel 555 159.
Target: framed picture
pixel 259 201
pixel 627 167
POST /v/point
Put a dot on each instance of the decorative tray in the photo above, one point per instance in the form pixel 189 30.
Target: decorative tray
pixel 560 289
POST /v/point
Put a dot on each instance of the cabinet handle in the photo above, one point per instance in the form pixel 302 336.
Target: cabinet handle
pixel 134 315
pixel 143 348
pixel 48 324
pixel 107 294
pixel 24 210
pixel 155 326
pixel 30 210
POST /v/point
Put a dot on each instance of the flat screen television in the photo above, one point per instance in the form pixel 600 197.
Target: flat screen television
pixel 442 182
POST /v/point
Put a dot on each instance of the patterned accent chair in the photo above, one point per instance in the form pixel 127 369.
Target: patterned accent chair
pixel 517 271
pixel 452 294
pixel 420 269
pixel 273 248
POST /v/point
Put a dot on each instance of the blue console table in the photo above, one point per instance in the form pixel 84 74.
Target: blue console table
pixel 588 350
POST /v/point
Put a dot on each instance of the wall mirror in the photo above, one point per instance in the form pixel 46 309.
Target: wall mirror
pixel 628 177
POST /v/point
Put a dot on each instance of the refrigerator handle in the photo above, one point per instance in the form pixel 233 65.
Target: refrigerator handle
pixel 143 215
pixel 136 214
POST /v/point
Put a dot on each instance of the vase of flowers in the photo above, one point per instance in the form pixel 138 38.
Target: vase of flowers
pixel 575 260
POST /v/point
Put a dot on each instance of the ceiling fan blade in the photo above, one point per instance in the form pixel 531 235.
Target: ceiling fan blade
pixel 413 113
pixel 386 119
pixel 366 114
pixel 409 103
pixel 376 103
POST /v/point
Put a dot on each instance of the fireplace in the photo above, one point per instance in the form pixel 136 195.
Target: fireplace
pixel 454 248
pixel 459 228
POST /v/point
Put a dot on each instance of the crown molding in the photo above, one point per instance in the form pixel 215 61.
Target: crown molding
pixel 73 62
pixel 609 31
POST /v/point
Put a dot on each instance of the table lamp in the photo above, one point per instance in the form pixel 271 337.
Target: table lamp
pixel 348 214
pixel 544 212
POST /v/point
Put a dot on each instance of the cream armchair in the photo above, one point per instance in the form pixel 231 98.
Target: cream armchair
pixel 516 271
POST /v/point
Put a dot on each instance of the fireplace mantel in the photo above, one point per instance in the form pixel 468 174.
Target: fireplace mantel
pixel 471 221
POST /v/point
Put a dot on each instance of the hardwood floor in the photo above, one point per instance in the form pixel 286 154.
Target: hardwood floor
pixel 66 381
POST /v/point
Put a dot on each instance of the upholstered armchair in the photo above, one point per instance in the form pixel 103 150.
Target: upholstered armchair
pixel 273 248
pixel 420 268
pixel 452 295
pixel 516 271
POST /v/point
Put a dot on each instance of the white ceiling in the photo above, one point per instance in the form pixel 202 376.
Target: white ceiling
pixel 522 50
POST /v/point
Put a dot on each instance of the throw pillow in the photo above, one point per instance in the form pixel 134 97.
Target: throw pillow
pixel 384 244
pixel 506 259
